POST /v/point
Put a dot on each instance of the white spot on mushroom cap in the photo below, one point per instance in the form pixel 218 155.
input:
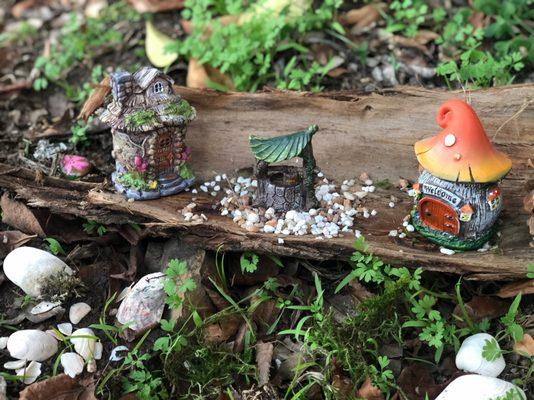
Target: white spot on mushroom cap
pixel 450 139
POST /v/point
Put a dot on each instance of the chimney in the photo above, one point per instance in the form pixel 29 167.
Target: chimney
pixel 122 85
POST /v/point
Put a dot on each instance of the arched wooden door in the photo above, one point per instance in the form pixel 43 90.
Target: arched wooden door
pixel 437 215
pixel 164 156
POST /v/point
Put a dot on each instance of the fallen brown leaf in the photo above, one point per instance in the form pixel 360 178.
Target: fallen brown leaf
pixel 95 99
pixel 369 392
pixel 60 387
pixel 481 307
pixel 154 6
pixel 222 331
pixel 264 356
pixel 199 76
pixel 19 216
pixel 525 346
pixel 10 240
pixel 416 382
pixel 337 72
pixel 513 289
pixel 364 16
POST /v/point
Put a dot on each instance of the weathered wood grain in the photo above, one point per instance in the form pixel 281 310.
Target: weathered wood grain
pixel 372 133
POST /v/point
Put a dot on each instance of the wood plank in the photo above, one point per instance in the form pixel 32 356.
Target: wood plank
pixel 372 133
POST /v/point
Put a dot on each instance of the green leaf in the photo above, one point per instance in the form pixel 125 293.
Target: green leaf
pixel 491 350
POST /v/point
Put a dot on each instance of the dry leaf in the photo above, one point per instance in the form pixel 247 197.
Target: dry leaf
pixel 525 346
pixel 264 356
pixel 513 289
pixel 416 382
pixel 362 17
pixel 199 76
pixel 369 392
pixel 95 99
pixel 20 8
pixel 10 240
pixel 337 72
pixel 153 6
pixel 19 216
pixel 155 44
pixel 60 387
pixel 481 307
pixel 221 332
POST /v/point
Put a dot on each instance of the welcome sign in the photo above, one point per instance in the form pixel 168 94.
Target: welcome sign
pixel 441 193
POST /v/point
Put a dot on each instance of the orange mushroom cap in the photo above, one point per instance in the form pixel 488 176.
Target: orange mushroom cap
pixel 461 152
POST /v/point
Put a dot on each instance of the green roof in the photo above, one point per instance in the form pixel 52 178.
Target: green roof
pixel 281 148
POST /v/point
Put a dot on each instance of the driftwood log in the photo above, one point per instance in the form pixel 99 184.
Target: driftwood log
pixel 372 133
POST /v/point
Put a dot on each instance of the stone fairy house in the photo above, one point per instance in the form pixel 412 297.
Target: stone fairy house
pixel 458 195
pixel 285 187
pixel 148 123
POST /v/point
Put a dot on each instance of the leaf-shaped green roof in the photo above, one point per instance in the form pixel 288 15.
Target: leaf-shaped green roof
pixel 281 148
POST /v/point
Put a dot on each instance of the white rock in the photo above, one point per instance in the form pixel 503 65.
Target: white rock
pixel 30 373
pixel 98 350
pixel 31 344
pixel 253 217
pixel 85 344
pixel 447 251
pixel 469 357
pixel 478 387
pixel 28 267
pixel 269 229
pixel 143 306
pixel 44 306
pixel 116 357
pixel 393 233
pixel 349 196
pixel 3 342
pixel 78 311
pixel 410 228
pixel 72 364
pixel 65 328
pixel 17 364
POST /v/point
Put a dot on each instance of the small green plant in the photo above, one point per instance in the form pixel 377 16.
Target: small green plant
pixel 249 262
pixel 245 50
pixel 22 33
pixel 92 227
pixel 136 180
pixel 407 16
pixel 183 108
pixel 54 246
pixel 140 118
pixel 79 132
pixel 177 283
pixel 303 78
pixel 530 271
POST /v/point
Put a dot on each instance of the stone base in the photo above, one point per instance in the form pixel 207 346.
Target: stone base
pixel 165 188
pixel 447 240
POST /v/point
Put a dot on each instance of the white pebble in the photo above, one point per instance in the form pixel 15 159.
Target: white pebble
pixel 280 241
pixel 447 251
pixel 393 233
pixel 410 228
pixel 374 212
pixel 391 204
pixel 204 188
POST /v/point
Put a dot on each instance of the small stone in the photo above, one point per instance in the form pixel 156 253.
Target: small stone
pixel 410 228
pixel 447 251
pixel 269 229
pixel 368 182
pixel 204 188
pixel 349 196
pixel 393 233
pixel 374 212
pixel 402 235
pixel 391 204
pixel 78 311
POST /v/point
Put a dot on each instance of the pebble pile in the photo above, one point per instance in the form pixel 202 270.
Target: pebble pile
pixel 335 215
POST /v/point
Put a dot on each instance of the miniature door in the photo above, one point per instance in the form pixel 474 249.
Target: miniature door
pixel 165 155
pixel 438 215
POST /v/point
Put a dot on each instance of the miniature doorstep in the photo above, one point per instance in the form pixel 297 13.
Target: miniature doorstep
pixel 458 198
pixel 148 122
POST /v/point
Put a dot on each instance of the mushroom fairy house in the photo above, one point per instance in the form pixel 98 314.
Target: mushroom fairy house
pixel 285 187
pixel 148 123
pixel 458 199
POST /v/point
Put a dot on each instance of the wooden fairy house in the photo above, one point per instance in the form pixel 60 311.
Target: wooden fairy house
pixel 148 123
pixel 285 187
pixel 458 199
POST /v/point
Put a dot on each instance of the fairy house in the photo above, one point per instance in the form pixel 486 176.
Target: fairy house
pixel 458 195
pixel 148 123
pixel 285 187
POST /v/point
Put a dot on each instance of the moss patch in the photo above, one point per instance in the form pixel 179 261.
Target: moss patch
pixel 182 108
pixel 134 180
pixel 140 118
pixel 446 240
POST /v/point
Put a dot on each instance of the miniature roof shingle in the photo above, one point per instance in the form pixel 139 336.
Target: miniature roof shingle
pixel 144 76
pixel 461 152
pixel 281 148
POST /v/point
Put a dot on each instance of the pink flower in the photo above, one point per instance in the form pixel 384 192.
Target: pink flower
pixel 185 154
pixel 140 165
pixel 76 166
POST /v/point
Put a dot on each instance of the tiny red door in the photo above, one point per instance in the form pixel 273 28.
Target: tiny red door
pixel 437 215
pixel 164 156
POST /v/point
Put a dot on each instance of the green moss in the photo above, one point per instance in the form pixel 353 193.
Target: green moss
pixel 140 118
pixel 134 180
pixel 182 108
pixel 185 172
pixel 447 240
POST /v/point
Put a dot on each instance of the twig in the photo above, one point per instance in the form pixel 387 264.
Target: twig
pixel 517 114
